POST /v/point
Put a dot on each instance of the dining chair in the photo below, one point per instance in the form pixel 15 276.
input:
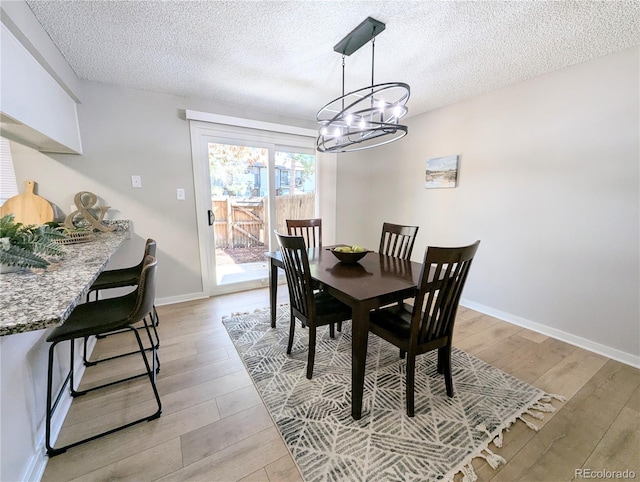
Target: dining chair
pixel 309 229
pixel 313 308
pixel 124 278
pixel 397 240
pixel 98 317
pixel 428 324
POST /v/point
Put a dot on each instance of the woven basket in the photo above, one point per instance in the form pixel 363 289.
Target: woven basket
pixel 76 237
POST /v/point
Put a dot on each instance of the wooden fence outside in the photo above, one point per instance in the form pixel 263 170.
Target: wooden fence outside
pixel 243 222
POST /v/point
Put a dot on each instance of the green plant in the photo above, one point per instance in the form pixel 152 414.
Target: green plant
pixel 23 245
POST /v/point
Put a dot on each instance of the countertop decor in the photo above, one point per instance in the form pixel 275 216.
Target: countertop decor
pixel 36 299
pixel 26 246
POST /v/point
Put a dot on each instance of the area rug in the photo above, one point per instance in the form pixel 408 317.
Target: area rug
pixel 327 444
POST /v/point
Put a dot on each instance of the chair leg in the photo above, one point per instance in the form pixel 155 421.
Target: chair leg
pixel 51 408
pixel 410 393
pixel 332 330
pixel 446 362
pixel 85 359
pixel 440 361
pixel 150 373
pixel 154 342
pixel 72 364
pixel 312 351
pixel 292 329
pixel 340 326
pixel 155 317
pixel 402 353
pixel 152 377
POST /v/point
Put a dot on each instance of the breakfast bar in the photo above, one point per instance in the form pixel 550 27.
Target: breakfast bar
pixel 37 299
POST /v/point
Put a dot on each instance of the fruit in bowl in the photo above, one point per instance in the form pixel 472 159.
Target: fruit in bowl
pixel 349 254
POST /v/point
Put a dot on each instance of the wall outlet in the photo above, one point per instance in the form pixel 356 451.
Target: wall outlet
pixel 180 194
pixel 136 181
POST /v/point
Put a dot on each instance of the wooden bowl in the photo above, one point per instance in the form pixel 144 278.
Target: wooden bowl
pixel 349 258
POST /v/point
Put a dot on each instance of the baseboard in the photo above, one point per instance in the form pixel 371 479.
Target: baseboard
pixel 592 346
pixel 169 300
pixel 39 461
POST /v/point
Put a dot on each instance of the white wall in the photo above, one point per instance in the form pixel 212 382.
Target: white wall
pixel 549 174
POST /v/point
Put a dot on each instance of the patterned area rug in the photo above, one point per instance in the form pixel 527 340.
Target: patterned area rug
pixel 314 416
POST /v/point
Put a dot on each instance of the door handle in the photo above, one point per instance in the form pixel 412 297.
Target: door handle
pixel 212 217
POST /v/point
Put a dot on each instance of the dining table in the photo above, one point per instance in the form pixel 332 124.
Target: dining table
pixel 374 281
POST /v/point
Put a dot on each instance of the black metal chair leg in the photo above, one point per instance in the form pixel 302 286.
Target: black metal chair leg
pixel 154 343
pixel 156 317
pixel 85 359
pixel 50 409
pixel 150 373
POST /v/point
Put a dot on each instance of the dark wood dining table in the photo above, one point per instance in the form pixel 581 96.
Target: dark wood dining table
pixel 376 280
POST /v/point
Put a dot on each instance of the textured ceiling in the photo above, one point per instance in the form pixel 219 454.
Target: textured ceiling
pixel 277 56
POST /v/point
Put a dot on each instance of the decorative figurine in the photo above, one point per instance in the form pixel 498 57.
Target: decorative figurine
pixel 83 210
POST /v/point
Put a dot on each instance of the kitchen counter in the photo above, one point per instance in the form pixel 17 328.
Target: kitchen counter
pixel 36 299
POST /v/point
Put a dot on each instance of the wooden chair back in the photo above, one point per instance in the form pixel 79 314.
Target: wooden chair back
pixel 296 267
pixel 442 280
pixel 309 229
pixel 397 240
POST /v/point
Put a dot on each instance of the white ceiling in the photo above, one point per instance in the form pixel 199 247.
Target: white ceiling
pixel 277 56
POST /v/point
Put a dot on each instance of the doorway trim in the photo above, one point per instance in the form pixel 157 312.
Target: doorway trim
pixel 202 125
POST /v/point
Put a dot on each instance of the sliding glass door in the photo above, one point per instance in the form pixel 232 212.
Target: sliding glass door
pixel 240 204
pixel 252 182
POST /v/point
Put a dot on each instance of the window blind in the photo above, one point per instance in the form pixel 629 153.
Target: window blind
pixel 8 184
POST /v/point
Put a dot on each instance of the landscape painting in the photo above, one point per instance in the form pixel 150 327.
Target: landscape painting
pixel 442 172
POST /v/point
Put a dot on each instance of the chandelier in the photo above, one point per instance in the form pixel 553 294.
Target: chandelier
pixel 367 117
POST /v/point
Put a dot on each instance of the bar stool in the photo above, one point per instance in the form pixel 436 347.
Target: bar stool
pixel 95 318
pixel 123 278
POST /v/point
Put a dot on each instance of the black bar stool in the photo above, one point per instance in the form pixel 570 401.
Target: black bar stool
pixel 123 278
pixel 99 317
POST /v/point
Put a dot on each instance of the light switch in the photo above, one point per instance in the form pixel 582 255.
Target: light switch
pixel 136 181
pixel 180 194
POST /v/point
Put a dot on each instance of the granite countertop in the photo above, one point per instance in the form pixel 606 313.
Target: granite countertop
pixel 36 299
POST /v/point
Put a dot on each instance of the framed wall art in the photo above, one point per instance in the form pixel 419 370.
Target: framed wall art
pixel 442 172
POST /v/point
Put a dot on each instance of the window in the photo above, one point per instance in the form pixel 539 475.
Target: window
pixel 8 184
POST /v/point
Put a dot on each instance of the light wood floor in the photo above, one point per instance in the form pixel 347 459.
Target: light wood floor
pixel 214 426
